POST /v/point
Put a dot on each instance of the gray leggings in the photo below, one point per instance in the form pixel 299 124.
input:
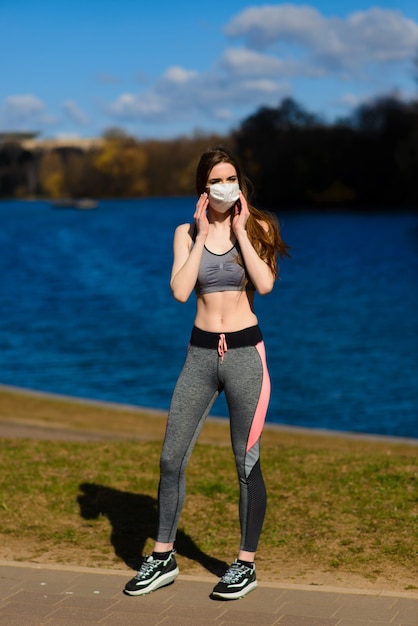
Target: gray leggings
pixel 236 364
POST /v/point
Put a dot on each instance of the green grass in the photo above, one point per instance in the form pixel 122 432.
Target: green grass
pixel 96 503
pixel 343 507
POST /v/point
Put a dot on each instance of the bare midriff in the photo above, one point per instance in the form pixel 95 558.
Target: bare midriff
pixel 225 311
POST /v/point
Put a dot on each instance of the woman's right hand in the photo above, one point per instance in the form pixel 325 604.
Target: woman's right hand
pixel 200 215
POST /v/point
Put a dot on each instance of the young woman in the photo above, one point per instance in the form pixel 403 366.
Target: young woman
pixel 226 255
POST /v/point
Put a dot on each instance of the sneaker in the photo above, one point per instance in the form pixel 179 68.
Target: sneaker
pixel 237 581
pixel 152 575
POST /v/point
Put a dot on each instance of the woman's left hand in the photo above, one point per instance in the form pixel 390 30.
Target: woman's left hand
pixel 240 214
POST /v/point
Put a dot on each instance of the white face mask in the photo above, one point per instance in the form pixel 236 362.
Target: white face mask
pixel 222 196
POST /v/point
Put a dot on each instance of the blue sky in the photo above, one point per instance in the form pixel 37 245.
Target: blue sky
pixel 167 68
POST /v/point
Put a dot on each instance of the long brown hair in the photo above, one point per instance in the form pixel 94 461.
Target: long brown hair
pixel 267 243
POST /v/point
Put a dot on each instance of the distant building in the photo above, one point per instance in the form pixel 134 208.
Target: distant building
pixel 31 141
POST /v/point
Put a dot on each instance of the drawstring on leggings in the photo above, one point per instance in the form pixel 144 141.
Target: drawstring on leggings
pixel 222 346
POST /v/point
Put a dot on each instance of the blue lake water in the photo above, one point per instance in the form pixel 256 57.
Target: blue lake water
pixel 86 310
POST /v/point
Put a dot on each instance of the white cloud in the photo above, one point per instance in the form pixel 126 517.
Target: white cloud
pixel 332 44
pixel 244 62
pixel 275 44
pixel 25 112
pixel 183 94
pixel 350 100
pixel 269 52
pixel 179 75
pixel 225 115
pixel 130 106
pixel 263 26
pixel 261 86
pixel 74 112
pixel 386 35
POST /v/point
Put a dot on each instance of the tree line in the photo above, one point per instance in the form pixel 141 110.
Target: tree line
pixel 292 157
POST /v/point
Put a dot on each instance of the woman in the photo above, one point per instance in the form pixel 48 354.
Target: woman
pixel 228 253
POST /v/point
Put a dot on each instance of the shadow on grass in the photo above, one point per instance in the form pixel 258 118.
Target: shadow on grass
pixel 133 518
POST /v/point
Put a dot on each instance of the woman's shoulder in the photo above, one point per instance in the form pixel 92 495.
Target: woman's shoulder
pixel 185 229
pixel 184 234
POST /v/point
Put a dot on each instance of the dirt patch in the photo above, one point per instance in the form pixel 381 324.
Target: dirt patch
pixel 268 570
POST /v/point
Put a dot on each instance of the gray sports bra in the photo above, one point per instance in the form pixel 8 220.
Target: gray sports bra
pixel 221 272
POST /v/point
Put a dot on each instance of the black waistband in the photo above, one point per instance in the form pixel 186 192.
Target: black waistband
pixel 238 339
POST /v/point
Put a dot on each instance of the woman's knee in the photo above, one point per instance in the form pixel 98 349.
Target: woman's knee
pixel 168 464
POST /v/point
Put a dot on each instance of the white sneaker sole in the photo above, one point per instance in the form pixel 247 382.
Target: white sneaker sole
pixel 237 594
pixel 161 581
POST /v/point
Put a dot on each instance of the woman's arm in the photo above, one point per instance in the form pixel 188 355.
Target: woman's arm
pixel 186 262
pixel 259 272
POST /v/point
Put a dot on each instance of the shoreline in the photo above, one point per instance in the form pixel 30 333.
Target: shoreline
pixel 220 421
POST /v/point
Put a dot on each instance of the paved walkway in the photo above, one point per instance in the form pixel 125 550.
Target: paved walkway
pixel 35 595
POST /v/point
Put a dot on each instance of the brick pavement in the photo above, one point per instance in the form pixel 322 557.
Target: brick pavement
pixel 38 595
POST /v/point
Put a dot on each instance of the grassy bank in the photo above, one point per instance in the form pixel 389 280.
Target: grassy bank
pixel 341 510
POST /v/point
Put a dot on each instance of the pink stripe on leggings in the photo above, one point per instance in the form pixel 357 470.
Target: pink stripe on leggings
pixel 263 401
